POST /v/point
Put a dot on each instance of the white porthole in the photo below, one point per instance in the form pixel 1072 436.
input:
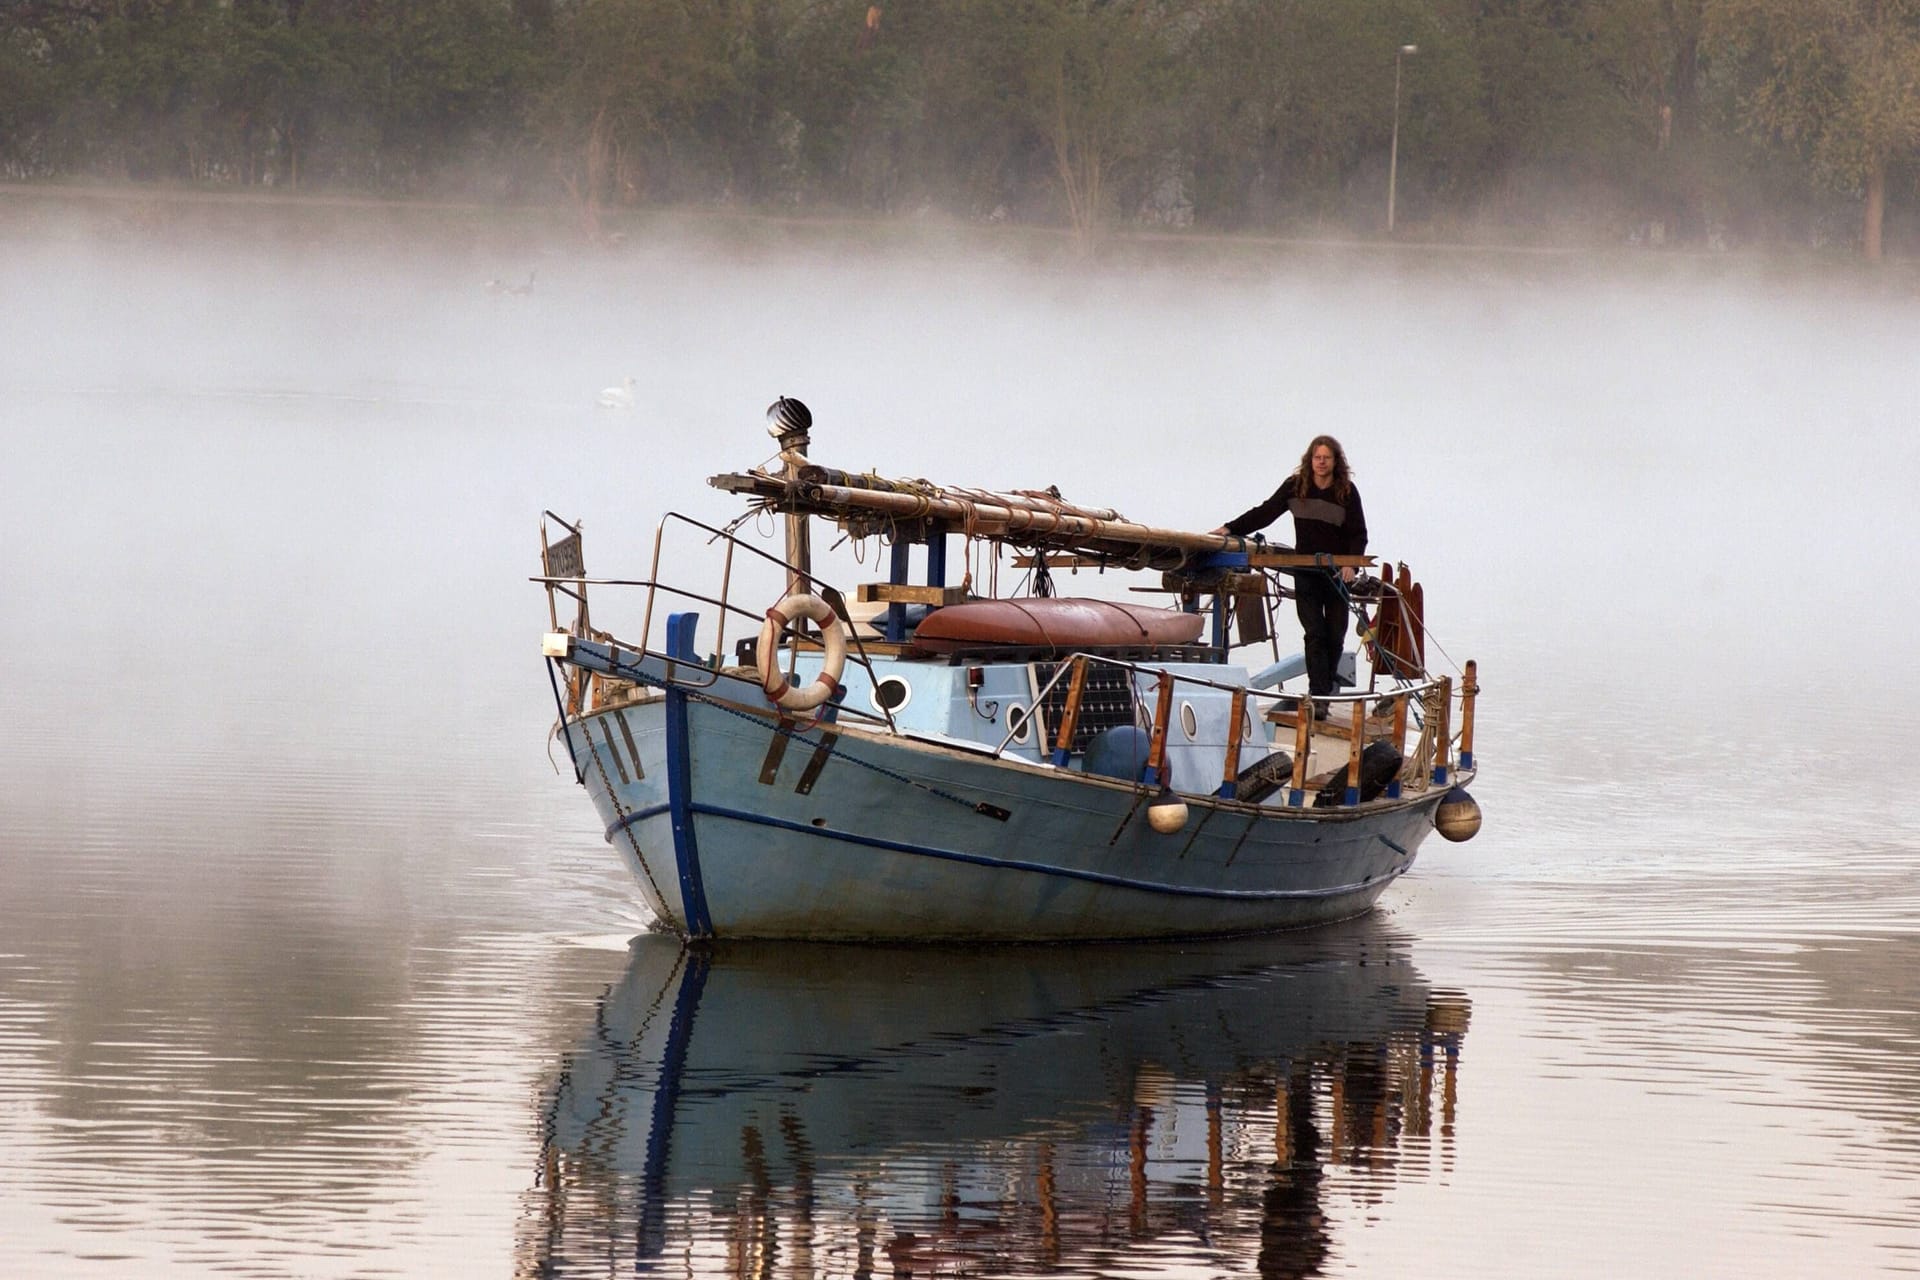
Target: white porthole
pixel 1189 722
pixel 1246 720
pixel 1020 722
pixel 891 694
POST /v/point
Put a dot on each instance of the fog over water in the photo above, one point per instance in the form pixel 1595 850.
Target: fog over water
pixel 300 929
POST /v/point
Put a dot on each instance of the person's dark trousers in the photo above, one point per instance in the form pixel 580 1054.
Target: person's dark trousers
pixel 1323 622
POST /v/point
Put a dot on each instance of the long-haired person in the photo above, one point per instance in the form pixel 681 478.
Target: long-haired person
pixel 1327 518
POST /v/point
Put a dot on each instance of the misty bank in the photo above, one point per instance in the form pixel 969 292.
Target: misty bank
pixel 53 213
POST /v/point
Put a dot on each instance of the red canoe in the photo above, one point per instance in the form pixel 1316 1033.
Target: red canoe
pixel 1063 625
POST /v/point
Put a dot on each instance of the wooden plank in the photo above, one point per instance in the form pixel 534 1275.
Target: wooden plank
pixel 1295 560
pixel 1250 616
pixel 873 648
pixel 1070 714
pixel 1157 744
pixel 1384 644
pixel 1397 646
pixel 1469 686
pixel 1064 561
pixel 1375 727
pixel 1417 622
pixel 1236 726
pixel 908 593
pixel 1358 730
pixel 1222 581
pixel 1302 747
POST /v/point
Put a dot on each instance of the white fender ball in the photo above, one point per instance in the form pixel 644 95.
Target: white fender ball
pixel 1458 817
pixel 1167 814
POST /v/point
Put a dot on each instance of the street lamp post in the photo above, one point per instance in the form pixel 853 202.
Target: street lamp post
pixel 1393 151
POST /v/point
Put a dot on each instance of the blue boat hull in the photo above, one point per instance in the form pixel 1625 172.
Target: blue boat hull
pixel 739 825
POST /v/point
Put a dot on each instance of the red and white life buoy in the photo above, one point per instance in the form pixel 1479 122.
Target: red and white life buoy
pixel 766 656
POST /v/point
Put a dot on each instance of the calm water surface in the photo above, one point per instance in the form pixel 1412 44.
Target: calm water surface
pixel 312 964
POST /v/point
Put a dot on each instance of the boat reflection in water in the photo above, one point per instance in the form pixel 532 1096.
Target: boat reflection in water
pixel 774 1110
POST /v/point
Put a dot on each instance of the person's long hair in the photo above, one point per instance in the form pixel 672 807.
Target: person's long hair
pixel 1342 477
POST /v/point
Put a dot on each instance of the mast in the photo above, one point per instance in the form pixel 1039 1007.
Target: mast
pixel 788 422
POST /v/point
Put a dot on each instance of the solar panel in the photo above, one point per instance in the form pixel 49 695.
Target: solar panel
pixel 1106 700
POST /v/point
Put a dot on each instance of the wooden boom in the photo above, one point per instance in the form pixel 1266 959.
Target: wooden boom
pixel 1092 536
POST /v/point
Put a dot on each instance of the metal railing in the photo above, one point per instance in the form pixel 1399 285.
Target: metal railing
pixel 1425 704
pixel 710 673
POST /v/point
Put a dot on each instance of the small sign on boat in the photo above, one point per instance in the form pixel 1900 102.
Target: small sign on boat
pixel 564 559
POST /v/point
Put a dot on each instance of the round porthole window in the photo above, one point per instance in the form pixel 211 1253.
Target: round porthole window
pixel 890 694
pixel 1189 722
pixel 1020 722
pixel 1246 720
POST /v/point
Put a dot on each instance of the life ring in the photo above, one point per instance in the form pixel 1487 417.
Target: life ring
pixel 773 681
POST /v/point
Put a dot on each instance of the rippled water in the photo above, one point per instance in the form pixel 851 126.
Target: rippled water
pixel 312 964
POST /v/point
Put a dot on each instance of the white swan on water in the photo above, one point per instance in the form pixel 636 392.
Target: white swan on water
pixel 498 287
pixel 620 397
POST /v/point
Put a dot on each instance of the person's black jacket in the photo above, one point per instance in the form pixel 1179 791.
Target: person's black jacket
pixel 1320 522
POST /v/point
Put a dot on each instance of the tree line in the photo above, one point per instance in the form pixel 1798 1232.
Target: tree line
pixel 1710 121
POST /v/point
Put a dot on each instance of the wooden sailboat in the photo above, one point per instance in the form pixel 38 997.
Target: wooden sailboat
pixel 977 768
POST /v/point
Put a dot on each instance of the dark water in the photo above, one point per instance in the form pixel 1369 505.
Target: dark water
pixel 312 964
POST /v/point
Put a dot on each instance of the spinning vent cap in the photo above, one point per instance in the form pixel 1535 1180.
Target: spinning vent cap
pixel 787 416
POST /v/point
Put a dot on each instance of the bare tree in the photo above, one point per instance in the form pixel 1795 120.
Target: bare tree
pixel 1098 79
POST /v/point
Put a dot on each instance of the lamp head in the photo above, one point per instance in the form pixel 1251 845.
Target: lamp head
pixel 1409 48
